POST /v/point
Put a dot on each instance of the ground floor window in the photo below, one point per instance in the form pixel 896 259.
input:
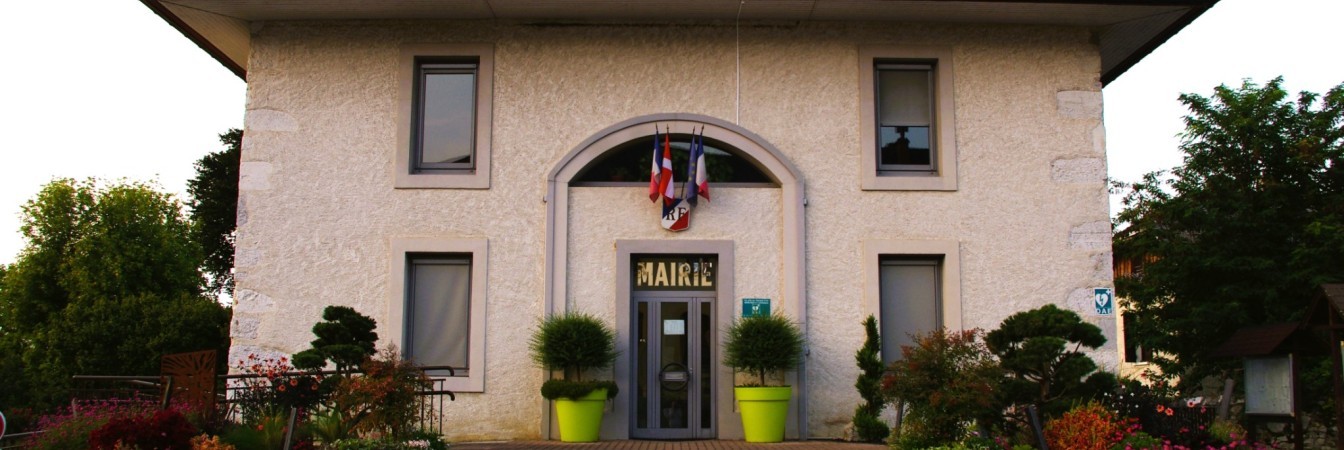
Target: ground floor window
pixel 910 301
pixel 911 287
pixel 436 310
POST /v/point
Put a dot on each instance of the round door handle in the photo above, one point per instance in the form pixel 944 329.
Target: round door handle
pixel 674 376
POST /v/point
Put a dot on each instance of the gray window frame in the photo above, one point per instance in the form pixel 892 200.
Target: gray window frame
pixel 392 327
pixel 424 67
pixel 930 69
pixel 413 260
pixel 406 174
pixel 942 175
pixel 935 261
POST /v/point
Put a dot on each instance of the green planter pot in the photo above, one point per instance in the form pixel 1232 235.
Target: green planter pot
pixel 764 412
pixel 581 419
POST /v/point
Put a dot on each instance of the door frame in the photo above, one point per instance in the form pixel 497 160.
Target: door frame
pixel 621 421
pixel 656 299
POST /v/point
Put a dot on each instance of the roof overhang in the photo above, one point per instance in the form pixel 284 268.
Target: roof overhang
pixel 1127 29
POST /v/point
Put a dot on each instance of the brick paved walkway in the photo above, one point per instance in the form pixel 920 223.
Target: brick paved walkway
pixel 666 445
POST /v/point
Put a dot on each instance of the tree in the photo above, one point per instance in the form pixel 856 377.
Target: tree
pixel 1243 231
pixel 108 282
pixel 214 209
pixel 1033 347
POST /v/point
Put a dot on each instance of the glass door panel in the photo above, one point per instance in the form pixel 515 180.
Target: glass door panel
pixel 673 349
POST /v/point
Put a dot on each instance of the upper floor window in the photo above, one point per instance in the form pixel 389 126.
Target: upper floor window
pixel 445 116
pixel 908 131
pixel 444 112
pixel 905 117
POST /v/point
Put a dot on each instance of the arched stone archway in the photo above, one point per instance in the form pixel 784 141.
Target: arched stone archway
pixel 770 160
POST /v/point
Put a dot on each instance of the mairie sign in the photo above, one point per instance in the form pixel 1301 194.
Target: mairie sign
pixel 675 273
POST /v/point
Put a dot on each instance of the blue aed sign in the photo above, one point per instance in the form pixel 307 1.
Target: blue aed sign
pixel 755 307
pixel 1104 300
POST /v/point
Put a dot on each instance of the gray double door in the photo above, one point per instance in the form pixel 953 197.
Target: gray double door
pixel 674 358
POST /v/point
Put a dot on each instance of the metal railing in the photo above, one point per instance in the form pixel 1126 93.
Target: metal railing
pixel 433 397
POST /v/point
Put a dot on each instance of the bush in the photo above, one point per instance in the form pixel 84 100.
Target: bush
pixel 69 429
pixel 554 389
pixel 763 344
pixel 947 379
pixel 1087 427
pixel 163 430
pixel 383 399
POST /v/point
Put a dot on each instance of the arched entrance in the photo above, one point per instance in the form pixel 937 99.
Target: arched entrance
pixel 789 273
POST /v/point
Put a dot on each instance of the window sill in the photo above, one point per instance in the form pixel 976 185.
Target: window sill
pixel 909 182
pixel 441 181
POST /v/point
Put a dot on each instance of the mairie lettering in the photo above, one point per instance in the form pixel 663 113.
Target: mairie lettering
pixel 674 274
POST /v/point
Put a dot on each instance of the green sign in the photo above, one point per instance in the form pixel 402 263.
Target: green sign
pixel 755 307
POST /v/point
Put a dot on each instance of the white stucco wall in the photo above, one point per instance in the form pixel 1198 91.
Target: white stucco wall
pixel 317 206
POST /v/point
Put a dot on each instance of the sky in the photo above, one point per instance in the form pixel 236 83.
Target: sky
pixel 104 88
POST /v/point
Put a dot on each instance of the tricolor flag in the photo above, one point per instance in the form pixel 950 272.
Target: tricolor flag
pixel 655 173
pixel 665 179
pixel 697 175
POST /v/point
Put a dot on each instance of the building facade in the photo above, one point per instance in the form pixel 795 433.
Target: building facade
pixel 459 177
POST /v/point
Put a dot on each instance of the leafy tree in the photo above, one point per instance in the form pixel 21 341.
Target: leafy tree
pixel 867 426
pixel 108 282
pixel 1033 346
pixel 345 338
pixel 1243 231
pixel 214 208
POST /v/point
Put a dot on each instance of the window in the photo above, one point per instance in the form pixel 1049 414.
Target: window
pixel 1134 351
pixel 910 302
pixel 444 118
pixel 445 114
pixel 628 164
pixel 437 308
pixel 911 287
pixel 438 311
pixel 907 116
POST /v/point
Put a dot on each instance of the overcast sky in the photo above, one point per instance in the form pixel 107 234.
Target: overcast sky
pixel 104 88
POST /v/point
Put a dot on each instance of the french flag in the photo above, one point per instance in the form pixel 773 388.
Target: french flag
pixel 665 182
pixel 655 173
pixel 697 175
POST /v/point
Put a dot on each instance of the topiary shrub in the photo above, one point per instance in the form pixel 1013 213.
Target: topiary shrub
pixel 763 344
pixel 867 426
pixel 574 343
pixel 1034 347
pixel 345 338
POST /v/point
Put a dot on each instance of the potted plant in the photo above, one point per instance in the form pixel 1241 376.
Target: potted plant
pixel 575 343
pixel 760 345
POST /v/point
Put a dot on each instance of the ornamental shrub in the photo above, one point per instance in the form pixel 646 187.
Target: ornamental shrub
pixel 1087 427
pixel 163 430
pixel 384 399
pixel 867 426
pixel 574 342
pixel 1039 349
pixel 69 428
pixel 947 379
pixel 763 344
